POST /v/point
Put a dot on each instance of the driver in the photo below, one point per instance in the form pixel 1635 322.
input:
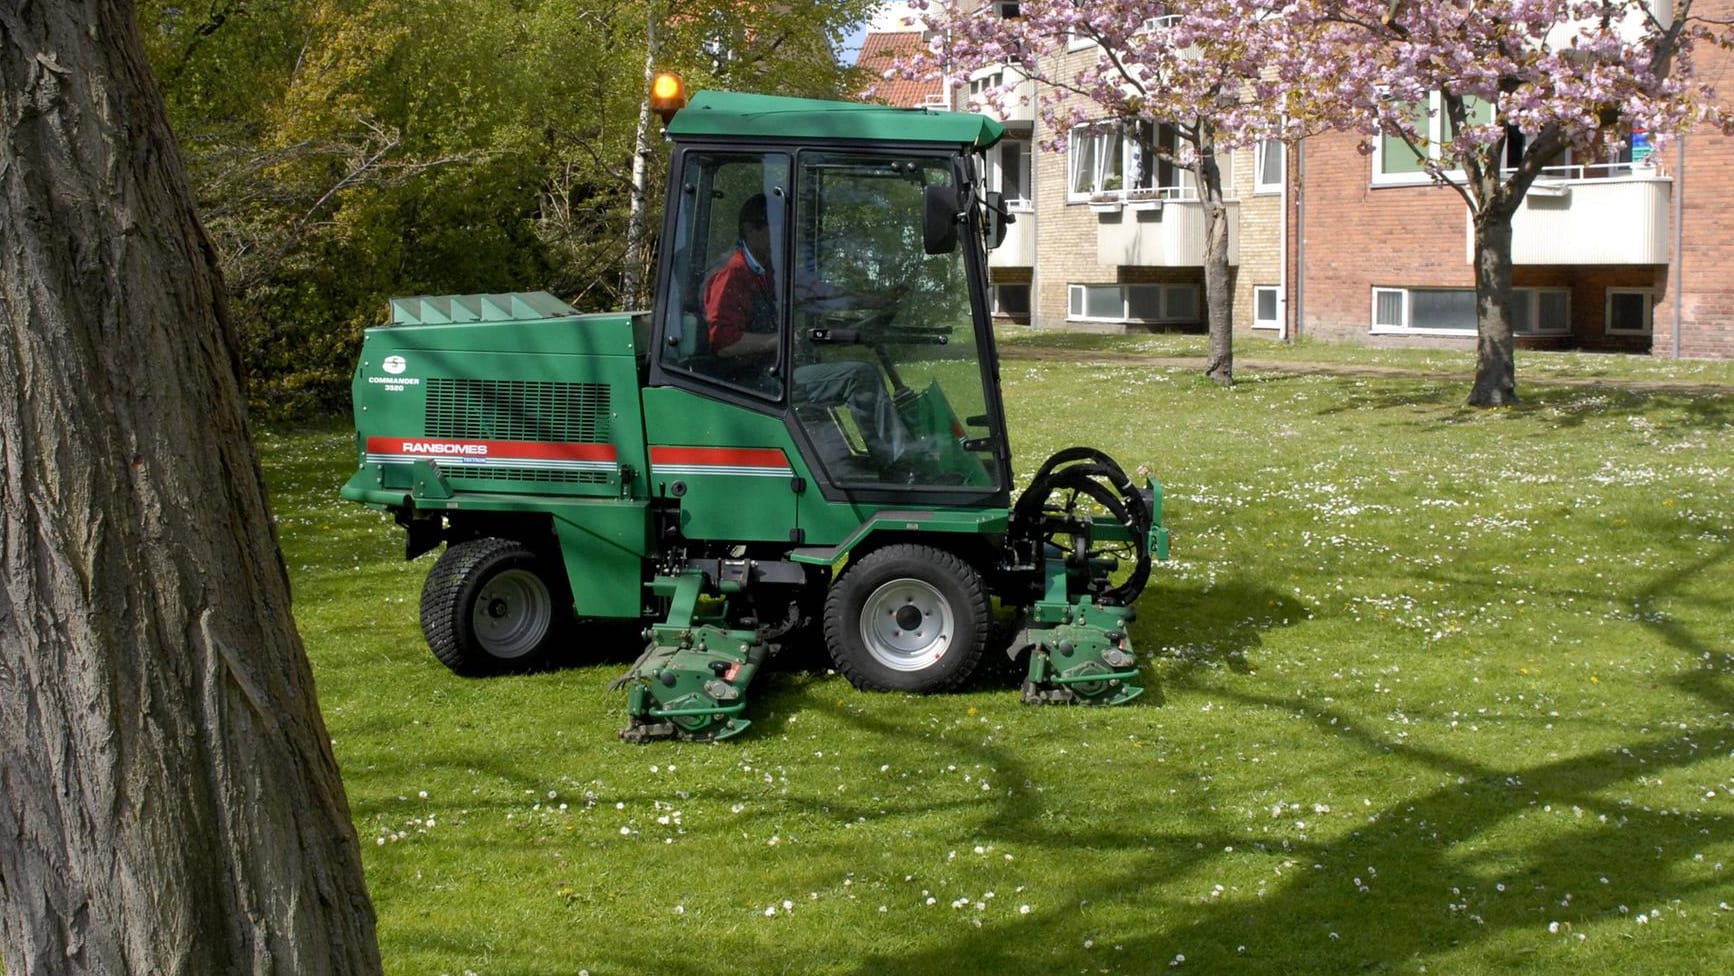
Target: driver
pixel 740 305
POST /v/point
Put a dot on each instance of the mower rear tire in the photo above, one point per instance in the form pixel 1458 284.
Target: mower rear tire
pixel 492 606
pixel 907 618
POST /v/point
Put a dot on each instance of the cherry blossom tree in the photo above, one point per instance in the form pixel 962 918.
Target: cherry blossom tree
pixel 1508 86
pixel 1484 93
pixel 1183 64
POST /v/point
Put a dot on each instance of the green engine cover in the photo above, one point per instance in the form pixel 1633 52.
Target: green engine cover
pixel 512 404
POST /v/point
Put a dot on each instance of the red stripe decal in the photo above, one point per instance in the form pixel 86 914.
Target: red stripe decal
pixel 497 450
pixel 720 457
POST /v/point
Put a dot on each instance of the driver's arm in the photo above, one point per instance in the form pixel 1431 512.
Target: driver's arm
pixel 815 295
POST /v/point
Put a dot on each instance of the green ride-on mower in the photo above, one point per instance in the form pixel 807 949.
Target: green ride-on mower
pixel 804 436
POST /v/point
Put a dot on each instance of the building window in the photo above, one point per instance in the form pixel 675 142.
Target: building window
pixel 1396 162
pixel 1572 164
pixel 1153 304
pixel 1008 172
pixel 1265 305
pixel 991 81
pixel 1451 311
pixel 1271 156
pixel 1119 159
pixel 1008 9
pixel 1011 300
pixel 1540 311
pixel 1630 311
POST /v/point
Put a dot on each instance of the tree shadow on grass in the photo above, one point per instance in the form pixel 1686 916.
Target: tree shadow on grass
pixel 1445 870
pixel 1370 391
pixel 1197 626
pixel 1573 406
pixel 1372 898
pixel 1342 905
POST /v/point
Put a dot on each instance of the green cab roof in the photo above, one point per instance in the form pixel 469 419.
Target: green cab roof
pixel 729 115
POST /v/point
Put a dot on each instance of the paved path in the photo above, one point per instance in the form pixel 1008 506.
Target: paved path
pixel 1305 368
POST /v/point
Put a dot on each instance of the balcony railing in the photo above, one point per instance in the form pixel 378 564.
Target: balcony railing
pixel 1592 221
pixel 1169 237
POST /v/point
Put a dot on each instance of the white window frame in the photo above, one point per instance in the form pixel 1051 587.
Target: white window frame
pixel 990 79
pixel 995 166
pixel 1100 135
pixel 1533 297
pixel 1567 167
pixel 1276 304
pixel 1649 296
pixel 1169 297
pixel 1530 296
pixel 1266 146
pixel 1434 136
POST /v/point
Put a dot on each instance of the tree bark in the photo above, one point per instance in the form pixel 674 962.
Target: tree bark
pixel 1218 285
pixel 1495 348
pixel 632 290
pixel 169 801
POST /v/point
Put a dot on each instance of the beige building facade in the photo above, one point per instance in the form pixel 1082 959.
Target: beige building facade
pixel 1328 241
pixel 1108 238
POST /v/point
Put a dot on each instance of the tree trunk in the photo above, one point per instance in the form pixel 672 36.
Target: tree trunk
pixel 1218 284
pixel 1495 348
pixel 638 212
pixel 169 802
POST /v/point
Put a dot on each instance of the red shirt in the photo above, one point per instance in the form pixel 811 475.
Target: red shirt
pixel 738 300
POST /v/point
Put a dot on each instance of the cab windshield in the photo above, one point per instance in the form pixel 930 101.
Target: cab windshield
pixel 803 278
pixel 883 330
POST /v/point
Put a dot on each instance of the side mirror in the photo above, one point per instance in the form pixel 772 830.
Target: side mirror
pixel 995 219
pixel 939 219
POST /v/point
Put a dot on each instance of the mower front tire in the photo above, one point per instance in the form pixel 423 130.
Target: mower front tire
pixel 492 606
pixel 907 618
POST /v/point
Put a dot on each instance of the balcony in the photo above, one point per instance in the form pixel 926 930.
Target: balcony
pixel 1621 220
pixel 1007 85
pixel 1169 235
pixel 1019 248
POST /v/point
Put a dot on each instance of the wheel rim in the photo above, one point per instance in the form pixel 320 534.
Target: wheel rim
pixel 907 625
pixel 512 614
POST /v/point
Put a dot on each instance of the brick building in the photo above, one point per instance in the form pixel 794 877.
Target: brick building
pixel 1104 237
pixel 1332 243
pixel 1600 252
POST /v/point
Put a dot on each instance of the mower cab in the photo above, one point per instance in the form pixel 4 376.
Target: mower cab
pixel 802 440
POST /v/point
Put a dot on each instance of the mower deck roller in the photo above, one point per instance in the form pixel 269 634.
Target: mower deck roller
pixel 803 440
pixel 1097 533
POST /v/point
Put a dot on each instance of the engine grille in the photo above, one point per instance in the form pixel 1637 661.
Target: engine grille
pixel 527 474
pixel 518 410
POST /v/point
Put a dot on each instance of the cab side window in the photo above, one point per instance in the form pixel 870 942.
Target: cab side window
pixel 724 318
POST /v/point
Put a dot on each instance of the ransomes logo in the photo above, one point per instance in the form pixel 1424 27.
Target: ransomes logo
pixel 445 449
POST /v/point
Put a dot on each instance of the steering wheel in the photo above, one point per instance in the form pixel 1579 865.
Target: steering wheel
pixel 875 321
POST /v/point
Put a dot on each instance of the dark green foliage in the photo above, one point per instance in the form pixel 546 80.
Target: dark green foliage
pixel 345 152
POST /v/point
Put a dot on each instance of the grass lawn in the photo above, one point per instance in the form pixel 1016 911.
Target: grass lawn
pixel 1433 690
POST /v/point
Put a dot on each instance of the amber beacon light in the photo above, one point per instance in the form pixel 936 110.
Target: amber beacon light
pixel 667 95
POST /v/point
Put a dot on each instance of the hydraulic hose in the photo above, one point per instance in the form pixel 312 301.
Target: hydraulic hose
pixel 1087 471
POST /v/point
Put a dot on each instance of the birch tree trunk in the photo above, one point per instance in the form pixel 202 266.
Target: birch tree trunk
pixel 169 801
pixel 632 288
